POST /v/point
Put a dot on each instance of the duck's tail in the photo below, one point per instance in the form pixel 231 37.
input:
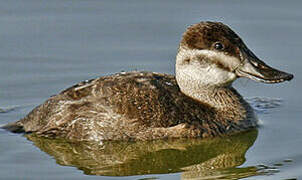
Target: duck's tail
pixel 15 127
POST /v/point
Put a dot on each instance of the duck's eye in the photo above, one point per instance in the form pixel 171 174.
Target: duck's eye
pixel 218 46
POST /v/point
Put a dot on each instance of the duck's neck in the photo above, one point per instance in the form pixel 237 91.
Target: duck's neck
pixel 217 97
pixel 226 101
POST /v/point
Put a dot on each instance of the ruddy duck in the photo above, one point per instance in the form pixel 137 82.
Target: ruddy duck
pixel 198 102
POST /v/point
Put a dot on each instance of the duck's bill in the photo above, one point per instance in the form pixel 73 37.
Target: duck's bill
pixel 257 70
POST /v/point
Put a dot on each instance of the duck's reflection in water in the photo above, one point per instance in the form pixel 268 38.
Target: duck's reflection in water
pixel 196 158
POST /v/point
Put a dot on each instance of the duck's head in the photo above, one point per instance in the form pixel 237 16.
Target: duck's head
pixel 212 55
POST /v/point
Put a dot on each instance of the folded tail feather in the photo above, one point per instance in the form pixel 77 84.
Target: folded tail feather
pixel 15 127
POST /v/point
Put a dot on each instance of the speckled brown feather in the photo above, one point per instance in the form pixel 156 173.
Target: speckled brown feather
pixel 132 106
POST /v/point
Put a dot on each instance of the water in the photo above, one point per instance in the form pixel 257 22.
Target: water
pixel 47 46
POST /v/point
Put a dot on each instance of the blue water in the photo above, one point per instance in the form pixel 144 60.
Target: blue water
pixel 47 46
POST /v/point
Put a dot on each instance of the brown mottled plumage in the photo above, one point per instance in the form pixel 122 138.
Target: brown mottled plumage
pixel 198 102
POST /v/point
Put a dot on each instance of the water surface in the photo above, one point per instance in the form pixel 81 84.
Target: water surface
pixel 47 46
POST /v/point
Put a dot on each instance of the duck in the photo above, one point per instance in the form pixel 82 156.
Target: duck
pixel 197 102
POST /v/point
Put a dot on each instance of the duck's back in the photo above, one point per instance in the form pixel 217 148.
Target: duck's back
pixel 134 105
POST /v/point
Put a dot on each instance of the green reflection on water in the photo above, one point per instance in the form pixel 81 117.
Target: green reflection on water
pixel 196 158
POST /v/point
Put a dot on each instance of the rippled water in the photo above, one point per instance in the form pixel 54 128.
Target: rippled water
pixel 47 46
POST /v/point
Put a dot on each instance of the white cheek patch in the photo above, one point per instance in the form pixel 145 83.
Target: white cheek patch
pixel 210 75
pixel 218 68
